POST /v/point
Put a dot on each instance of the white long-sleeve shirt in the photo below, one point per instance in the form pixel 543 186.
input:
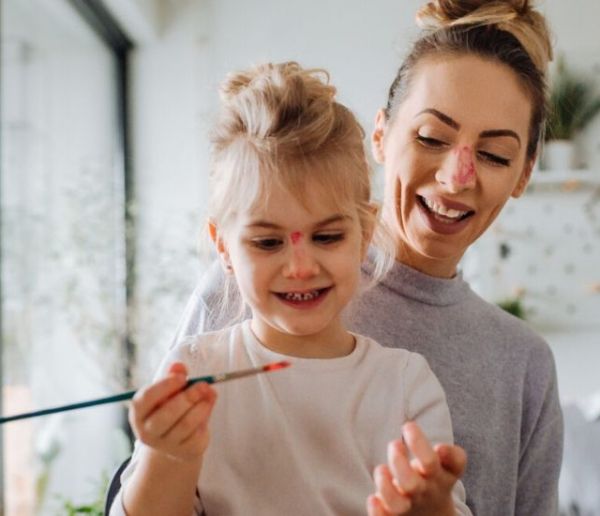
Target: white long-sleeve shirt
pixel 305 440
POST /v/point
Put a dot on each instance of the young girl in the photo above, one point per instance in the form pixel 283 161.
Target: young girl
pixel 291 218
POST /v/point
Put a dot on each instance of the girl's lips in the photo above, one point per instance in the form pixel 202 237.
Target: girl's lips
pixel 447 203
pixel 298 301
pixel 444 225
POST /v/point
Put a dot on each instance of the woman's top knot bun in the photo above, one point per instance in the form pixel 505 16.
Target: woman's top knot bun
pixel 514 16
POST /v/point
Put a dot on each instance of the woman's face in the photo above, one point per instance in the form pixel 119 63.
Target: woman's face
pixel 453 153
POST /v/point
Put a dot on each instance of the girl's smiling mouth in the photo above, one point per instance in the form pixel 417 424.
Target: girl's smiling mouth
pixel 303 298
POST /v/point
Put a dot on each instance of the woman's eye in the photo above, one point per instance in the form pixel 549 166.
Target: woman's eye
pixel 494 159
pixel 328 238
pixel 267 244
pixel 432 143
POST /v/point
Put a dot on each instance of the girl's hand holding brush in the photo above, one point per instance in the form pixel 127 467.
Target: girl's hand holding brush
pixel 172 420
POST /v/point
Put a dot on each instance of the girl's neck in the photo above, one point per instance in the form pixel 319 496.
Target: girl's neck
pixel 332 342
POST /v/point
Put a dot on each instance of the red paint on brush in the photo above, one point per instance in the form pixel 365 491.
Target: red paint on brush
pixel 276 365
pixel 465 171
pixel 295 237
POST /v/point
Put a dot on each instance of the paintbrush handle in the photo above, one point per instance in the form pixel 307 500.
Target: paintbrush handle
pixel 92 403
pixel 213 378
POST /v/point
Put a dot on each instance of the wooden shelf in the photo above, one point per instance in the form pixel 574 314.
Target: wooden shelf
pixel 567 180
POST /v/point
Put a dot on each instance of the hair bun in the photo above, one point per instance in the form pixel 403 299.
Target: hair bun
pixel 515 16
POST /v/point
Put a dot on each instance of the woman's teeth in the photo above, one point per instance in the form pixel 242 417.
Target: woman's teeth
pixel 438 209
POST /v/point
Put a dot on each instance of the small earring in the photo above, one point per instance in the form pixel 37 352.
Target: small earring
pixel 228 268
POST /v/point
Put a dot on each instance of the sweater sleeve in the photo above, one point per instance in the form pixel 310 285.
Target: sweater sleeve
pixel 426 405
pixel 541 438
pixel 210 307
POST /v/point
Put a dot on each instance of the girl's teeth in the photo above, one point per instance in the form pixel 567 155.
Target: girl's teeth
pixel 297 296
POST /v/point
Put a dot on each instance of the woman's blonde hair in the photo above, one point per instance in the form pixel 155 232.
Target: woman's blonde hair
pixel 511 32
pixel 280 125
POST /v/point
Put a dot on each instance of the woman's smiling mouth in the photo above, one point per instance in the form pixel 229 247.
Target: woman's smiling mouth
pixel 445 218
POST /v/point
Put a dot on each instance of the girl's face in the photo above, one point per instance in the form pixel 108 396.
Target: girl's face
pixel 453 153
pixel 297 267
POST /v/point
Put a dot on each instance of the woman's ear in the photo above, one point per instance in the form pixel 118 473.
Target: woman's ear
pixel 220 247
pixel 524 179
pixel 369 229
pixel 377 137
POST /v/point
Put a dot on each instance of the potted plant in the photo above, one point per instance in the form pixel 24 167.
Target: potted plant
pixel 572 106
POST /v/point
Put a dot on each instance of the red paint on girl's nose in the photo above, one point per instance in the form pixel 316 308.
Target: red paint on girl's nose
pixel 295 237
pixel 465 171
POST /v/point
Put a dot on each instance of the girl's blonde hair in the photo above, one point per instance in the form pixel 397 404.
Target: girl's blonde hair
pixel 281 125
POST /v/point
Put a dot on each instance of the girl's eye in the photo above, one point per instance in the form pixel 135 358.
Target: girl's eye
pixel 432 143
pixel 267 244
pixel 328 238
pixel 494 159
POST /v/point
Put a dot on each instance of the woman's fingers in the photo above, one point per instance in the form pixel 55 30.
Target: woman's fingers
pixel 391 498
pixel 426 460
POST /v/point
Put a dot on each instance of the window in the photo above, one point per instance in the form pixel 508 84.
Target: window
pixel 64 253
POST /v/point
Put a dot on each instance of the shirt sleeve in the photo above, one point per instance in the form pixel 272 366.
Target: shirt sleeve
pixel 179 353
pixel 427 406
pixel 541 438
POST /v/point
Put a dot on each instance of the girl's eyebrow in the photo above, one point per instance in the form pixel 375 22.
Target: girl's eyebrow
pixel 264 224
pixel 490 133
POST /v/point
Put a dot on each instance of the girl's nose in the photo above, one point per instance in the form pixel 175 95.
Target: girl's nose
pixel 457 172
pixel 301 264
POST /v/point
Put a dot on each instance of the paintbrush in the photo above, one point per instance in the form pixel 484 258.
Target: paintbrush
pixel 214 378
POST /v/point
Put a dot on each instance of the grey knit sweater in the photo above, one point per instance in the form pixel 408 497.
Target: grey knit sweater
pixel 499 378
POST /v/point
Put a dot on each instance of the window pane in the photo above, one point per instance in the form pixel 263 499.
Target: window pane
pixel 62 254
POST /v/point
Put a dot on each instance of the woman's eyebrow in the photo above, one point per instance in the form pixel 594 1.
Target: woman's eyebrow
pixel 490 133
pixel 449 121
pixel 494 133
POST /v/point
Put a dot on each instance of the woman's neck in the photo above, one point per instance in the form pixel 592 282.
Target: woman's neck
pixel 439 268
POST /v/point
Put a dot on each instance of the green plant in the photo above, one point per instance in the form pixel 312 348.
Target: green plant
pixel 573 104
pixel 513 306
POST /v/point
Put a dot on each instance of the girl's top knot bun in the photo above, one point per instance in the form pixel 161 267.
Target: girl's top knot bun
pixel 514 16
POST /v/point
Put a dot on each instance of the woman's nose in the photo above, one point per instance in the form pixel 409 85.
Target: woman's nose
pixel 457 173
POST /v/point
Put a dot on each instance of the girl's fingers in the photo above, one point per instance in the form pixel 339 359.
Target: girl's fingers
pixel 392 500
pixel 452 458
pixel 195 419
pixel 160 422
pixel 425 460
pixel 406 479
pixel 375 507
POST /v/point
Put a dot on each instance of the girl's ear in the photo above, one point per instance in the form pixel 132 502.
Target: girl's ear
pixel 524 179
pixel 377 137
pixel 220 247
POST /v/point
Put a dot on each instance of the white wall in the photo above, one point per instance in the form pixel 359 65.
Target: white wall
pixel 198 42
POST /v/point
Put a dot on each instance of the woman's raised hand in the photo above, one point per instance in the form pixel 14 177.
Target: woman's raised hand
pixel 419 486
pixel 173 421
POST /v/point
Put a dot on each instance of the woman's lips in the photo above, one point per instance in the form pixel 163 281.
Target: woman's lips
pixel 443 224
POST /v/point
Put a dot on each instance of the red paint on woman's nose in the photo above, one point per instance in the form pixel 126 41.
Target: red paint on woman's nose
pixel 295 237
pixel 465 170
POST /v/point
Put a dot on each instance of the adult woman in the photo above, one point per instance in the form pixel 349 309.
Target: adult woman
pixel 459 136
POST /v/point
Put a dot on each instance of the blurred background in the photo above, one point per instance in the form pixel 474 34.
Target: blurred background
pixel 105 108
